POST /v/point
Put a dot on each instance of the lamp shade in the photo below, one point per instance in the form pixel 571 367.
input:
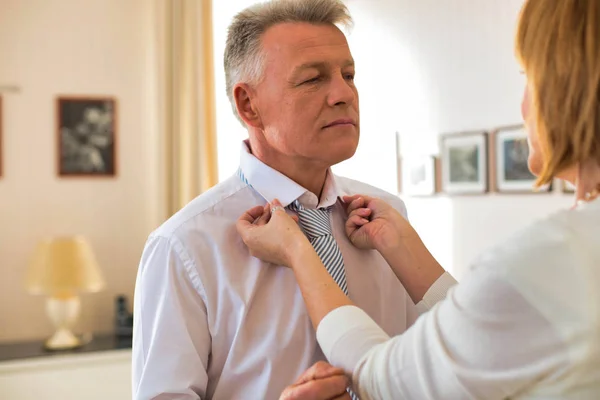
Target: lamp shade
pixel 64 266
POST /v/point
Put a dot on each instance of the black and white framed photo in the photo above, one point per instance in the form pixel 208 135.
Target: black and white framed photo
pixel 511 170
pixel 419 176
pixel 464 163
pixel 86 134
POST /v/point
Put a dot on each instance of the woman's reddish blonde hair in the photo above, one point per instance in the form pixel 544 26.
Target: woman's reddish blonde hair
pixel 558 45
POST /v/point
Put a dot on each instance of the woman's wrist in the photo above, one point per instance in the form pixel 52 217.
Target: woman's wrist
pixel 387 242
pixel 297 251
pixel 400 248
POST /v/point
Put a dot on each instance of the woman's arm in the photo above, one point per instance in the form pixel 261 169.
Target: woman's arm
pixel 413 265
pixel 485 341
pixel 373 223
pixel 321 293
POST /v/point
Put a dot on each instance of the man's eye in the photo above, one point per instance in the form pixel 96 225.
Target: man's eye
pixel 313 80
pixel 350 77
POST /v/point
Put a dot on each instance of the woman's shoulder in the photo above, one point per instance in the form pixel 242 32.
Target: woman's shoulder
pixel 556 240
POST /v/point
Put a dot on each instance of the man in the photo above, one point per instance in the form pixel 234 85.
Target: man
pixel 213 322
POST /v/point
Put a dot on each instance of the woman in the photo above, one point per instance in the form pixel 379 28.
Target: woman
pixel 525 323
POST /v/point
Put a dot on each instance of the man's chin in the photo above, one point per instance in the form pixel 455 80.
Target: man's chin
pixel 342 155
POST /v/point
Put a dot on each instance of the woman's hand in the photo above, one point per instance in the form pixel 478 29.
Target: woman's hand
pixel 374 224
pixel 320 382
pixel 271 234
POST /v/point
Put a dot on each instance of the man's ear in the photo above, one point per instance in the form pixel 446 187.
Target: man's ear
pixel 244 98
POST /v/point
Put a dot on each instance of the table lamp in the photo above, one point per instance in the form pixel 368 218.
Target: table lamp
pixel 61 268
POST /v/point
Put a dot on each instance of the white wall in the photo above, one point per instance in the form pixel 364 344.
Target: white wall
pixel 92 47
pixel 230 132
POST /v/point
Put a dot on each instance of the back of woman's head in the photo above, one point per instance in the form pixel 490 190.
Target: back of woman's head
pixel 558 45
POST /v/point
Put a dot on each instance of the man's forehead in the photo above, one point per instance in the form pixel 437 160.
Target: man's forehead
pixel 303 44
pixel 299 36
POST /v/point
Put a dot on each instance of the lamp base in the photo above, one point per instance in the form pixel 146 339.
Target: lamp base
pixel 63 312
pixel 63 339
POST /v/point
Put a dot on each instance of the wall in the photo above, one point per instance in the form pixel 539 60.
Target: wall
pixel 423 68
pixel 72 47
pixel 230 132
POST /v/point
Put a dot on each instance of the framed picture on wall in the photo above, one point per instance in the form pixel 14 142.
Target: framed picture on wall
pixel 419 176
pixel 567 187
pixel 510 170
pixel 399 186
pixel 464 163
pixel 86 136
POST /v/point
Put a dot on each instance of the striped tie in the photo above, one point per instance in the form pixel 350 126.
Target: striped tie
pixel 317 227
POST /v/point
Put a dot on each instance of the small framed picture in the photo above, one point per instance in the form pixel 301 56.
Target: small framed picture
pixel 568 187
pixel 399 185
pixel 86 136
pixel 419 176
pixel 464 163
pixel 511 152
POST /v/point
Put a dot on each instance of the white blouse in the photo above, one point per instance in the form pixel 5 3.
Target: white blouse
pixel 524 323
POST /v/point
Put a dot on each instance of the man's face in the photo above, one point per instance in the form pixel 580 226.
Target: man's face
pixel 307 101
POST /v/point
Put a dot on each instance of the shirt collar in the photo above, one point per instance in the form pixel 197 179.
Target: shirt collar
pixel 272 184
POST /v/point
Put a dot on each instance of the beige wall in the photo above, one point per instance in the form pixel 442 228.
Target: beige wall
pixel 95 47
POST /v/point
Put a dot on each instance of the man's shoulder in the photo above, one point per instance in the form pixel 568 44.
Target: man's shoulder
pixel 352 187
pixel 222 204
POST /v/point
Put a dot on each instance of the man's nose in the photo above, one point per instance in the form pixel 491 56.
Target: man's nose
pixel 341 91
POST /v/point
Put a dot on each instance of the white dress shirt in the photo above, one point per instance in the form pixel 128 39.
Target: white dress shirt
pixel 212 322
pixel 525 323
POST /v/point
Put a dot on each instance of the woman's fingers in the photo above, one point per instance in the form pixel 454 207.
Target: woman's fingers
pixel 264 217
pixel 261 215
pixel 249 217
pixel 350 199
pixel 355 203
pixel 276 207
pixel 357 220
pixel 363 212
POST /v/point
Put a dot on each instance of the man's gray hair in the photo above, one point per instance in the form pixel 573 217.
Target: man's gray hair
pixel 244 60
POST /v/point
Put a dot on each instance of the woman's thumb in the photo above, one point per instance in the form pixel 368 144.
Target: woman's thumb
pixel 276 206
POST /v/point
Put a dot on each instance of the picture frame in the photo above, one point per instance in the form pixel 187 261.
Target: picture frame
pixel 86 135
pixel 567 187
pixel 509 164
pixel 420 176
pixel 399 186
pixel 464 162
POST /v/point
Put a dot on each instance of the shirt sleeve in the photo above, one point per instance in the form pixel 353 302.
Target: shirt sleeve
pixel 171 340
pixel 436 293
pixel 484 341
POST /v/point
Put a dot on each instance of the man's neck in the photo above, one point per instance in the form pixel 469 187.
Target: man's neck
pixel 305 173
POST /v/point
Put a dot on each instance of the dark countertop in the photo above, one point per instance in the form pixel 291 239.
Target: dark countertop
pixel 35 349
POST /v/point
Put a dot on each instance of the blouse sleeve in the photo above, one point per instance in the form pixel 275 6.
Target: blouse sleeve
pixel 484 341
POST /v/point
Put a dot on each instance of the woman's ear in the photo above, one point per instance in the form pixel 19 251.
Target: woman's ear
pixel 245 103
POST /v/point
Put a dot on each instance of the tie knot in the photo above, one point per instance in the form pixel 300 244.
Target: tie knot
pixel 314 222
